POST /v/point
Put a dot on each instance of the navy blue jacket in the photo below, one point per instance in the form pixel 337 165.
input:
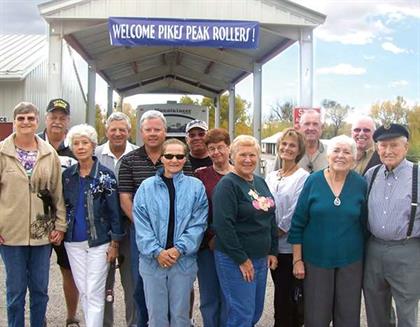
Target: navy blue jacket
pixel 101 202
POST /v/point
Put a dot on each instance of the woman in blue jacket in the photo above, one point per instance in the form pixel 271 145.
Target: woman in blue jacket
pixel 94 222
pixel 170 214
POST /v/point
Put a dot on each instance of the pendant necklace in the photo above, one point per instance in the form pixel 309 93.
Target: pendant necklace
pixel 337 201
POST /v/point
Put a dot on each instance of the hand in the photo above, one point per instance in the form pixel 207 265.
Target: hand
pixel 1 240
pixel 56 237
pixel 174 253
pixel 212 243
pixel 112 253
pixel 247 270
pixel 165 259
pixel 280 232
pixel 272 262
pixel 299 270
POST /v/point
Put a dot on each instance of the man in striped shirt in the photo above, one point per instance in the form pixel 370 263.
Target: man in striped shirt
pixel 392 263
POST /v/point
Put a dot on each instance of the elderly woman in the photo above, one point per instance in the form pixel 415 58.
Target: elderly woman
pixel 327 233
pixel 94 222
pixel 170 214
pixel 212 304
pixel 246 234
pixel 286 184
pixel 32 215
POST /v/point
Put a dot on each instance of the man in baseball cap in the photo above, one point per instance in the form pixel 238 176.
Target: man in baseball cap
pixel 196 131
pixel 59 104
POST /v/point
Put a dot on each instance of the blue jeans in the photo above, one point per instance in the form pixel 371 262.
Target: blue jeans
pixel 212 301
pixel 142 315
pixel 27 267
pixel 244 300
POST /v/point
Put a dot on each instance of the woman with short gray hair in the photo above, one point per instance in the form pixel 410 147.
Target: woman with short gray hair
pixel 94 222
pixel 327 234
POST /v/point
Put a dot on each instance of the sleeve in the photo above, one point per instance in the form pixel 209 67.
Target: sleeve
pixel 125 177
pixel 301 216
pixel 364 212
pixel 225 211
pixel 274 237
pixel 286 220
pixel 57 194
pixel 146 240
pixel 114 214
pixel 189 242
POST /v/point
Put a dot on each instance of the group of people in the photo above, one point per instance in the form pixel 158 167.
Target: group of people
pixel 328 221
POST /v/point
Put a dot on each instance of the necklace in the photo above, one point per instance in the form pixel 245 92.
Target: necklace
pixel 337 201
pixel 285 173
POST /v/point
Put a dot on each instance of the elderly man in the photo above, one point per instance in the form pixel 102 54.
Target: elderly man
pixel 57 121
pixel 315 157
pixel 118 128
pixel 362 131
pixel 392 265
pixel 196 131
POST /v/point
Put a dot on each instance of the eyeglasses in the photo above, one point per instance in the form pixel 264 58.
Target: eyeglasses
pixel 365 130
pixel 219 148
pixel 23 118
pixel 170 156
pixel 198 134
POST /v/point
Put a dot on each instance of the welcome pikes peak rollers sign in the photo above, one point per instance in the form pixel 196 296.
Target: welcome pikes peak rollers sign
pixel 125 31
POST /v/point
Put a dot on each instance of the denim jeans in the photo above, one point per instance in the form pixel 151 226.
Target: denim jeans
pixel 212 301
pixel 27 267
pixel 244 300
pixel 142 315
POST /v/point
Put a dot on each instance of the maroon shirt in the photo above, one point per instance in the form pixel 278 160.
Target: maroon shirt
pixel 210 178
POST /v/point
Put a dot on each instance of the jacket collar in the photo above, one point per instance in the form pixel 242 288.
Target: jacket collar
pixel 75 169
pixel 177 177
pixel 8 146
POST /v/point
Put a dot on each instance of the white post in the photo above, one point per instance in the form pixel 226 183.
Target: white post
pixel 110 105
pixel 91 108
pixel 257 80
pixel 305 68
pixel 232 111
pixel 55 60
pixel 217 112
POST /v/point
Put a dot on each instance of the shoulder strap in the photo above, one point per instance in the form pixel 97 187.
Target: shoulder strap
pixel 375 172
pixel 413 200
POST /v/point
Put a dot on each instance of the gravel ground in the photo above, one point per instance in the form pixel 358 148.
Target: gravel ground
pixel 56 309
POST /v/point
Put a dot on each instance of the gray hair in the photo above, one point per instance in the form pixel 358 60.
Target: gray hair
pixel 244 140
pixel 342 139
pixel 152 114
pixel 365 119
pixel 25 108
pixel 82 130
pixel 309 112
pixel 118 116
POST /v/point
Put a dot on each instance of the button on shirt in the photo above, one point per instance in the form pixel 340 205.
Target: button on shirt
pixel 390 203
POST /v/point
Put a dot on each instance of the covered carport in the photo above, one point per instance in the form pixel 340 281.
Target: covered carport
pixel 206 71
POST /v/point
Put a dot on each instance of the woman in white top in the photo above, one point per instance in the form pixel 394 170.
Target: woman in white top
pixel 286 184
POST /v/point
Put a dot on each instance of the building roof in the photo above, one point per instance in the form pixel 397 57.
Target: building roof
pixel 20 54
pixel 170 69
pixel 272 139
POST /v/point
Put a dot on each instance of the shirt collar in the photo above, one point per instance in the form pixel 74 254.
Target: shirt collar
pixel 107 149
pixel 397 170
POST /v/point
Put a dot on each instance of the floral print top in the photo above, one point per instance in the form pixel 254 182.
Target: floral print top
pixel 27 159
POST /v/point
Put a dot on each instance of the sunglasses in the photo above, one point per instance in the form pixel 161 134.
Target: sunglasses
pixel 198 134
pixel 170 156
pixel 365 130
pixel 23 118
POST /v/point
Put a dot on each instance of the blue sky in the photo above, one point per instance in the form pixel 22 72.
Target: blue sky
pixel 366 51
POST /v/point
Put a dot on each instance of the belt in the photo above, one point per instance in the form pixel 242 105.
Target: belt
pixel 395 242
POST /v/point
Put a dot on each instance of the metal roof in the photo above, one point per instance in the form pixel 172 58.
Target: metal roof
pixel 185 70
pixel 20 54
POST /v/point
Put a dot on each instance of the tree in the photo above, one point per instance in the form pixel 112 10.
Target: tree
pixel 100 124
pixel 131 113
pixel 390 111
pixel 282 112
pixel 336 113
pixel 413 118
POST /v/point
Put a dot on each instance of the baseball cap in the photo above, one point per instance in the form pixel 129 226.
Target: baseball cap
pixel 196 124
pixel 59 104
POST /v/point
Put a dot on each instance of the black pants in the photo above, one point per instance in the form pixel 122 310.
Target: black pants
pixel 286 313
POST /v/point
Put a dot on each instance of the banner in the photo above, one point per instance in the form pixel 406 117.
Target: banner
pixel 125 31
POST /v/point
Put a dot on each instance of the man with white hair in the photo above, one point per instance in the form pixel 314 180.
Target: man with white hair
pixel 118 128
pixel 362 131
pixel 392 262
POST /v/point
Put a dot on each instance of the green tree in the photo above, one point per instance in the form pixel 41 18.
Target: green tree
pixel 413 118
pixel 100 124
pixel 336 113
pixel 131 113
pixel 390 111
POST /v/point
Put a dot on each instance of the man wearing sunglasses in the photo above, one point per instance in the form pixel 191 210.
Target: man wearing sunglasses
pixel 362 133
pixel 196 131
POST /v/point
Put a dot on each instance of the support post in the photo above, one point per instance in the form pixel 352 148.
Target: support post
pixel 305 68
pixel 91 108
pixel 232 111
pixel 55 61
pixel 110 105
pixel 217 112
pixel 257 80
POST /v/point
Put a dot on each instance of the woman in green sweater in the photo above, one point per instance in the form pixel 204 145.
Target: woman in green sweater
pixel 246 235
pixel 327 234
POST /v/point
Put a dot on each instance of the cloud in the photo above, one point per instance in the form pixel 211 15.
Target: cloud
pixel 399 83
pixel 360 21
pixel 388 46
pixel 341 69
pixel 368 57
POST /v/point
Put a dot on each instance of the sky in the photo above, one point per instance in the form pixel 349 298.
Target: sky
pixel 365 52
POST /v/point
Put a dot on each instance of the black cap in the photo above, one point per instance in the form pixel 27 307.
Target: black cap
pixel 390 131
pixel 59 104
